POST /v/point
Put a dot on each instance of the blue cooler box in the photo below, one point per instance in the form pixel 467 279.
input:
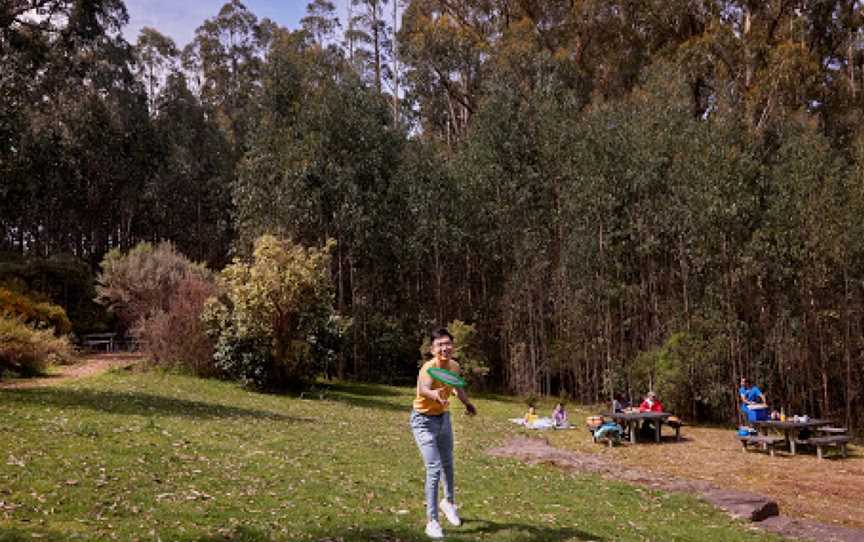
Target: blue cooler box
pixel 757 415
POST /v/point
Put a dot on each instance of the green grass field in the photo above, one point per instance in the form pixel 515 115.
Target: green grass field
pixel 132 456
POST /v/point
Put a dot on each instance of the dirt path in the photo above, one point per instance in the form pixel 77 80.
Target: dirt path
pixel 88 366
pixel 744 503
pixel 807 490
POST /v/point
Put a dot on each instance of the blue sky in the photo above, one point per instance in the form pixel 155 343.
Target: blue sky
pixel 178 19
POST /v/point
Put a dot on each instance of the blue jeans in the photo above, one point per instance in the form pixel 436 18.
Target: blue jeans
pixel 434 437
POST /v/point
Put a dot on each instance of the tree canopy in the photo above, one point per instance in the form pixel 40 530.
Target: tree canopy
pixel 614 195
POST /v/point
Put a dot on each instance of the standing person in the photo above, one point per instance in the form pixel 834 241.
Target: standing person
pixel 751 398
pixel 750 394
pixel 430 423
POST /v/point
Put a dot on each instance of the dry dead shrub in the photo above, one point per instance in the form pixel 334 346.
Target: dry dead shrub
pixel 176 337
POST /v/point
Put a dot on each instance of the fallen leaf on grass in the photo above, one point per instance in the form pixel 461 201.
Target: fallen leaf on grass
pixel 14 461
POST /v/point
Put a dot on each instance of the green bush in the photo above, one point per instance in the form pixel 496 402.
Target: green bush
pixel 687 371
pixel 38 314
pixel 276 311
pixel 28 351
pixel 63 280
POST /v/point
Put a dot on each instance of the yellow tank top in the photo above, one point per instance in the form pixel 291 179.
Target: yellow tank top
pixel 427 406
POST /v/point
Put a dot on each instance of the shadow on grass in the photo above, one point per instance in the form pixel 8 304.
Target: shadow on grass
pixel 134 403
pixel 359 395
pixel 471 530
pixel 358 388
pixel 523 531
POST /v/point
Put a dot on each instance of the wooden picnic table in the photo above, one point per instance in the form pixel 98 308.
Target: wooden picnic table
pixel 631 421
pixel 790 428
pixel 97 340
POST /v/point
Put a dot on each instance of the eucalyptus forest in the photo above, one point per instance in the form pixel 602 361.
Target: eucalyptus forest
pixel 609 196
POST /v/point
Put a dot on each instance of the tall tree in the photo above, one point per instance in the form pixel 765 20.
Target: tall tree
pixel 157 57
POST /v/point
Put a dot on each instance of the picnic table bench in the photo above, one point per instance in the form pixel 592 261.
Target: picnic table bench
pixel 830 440
pixel 630 422
pixel 765 441
pixel 96 341
pixel 791 429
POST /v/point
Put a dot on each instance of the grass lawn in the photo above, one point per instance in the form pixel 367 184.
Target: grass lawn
pixel 150 456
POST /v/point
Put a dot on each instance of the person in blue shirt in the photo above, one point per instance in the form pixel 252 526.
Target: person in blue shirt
pixel 750 395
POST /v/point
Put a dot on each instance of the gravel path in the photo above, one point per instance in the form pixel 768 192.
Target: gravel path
pixel 88 366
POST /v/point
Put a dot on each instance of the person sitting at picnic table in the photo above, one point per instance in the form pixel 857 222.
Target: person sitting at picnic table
pixel 651 403
pixel 750 395
pixel 619 403
pixel 559 416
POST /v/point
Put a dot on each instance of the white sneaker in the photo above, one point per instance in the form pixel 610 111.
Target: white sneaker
pixel 450 512
pixel 433 529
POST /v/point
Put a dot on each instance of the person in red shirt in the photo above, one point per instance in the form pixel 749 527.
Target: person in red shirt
pixel 651 403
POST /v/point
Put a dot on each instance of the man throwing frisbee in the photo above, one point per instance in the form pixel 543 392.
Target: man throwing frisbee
pixel 430 423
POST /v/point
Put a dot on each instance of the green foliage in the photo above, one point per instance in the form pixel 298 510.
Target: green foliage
pixel 37 314
pixel 30 351
pixel 686 372
pixel 61 280
pixel 275 318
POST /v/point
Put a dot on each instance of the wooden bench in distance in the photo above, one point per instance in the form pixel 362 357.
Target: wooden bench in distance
pixel 766 442
pixel 834 440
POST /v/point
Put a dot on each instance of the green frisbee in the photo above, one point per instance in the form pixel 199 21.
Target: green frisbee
pixel 447 377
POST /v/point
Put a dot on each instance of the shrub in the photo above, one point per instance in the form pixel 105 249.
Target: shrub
pixel 686 371
pixel 63 280
pixel 38 314
pixel 176 337
pixel 274 311
pixel 141 283
pixel 29 351
pixel 159 295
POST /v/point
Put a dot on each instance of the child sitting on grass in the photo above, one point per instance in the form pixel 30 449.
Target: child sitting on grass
pixel 530 417
pixel 559 416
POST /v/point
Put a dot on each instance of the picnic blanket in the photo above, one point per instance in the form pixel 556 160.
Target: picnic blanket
pixel 541 423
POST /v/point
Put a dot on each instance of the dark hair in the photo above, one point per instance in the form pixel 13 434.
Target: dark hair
pixel 439 333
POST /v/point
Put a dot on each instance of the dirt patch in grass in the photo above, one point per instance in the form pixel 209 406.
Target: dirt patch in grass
pixel 87 366
pixel 827 491
pixel 740 503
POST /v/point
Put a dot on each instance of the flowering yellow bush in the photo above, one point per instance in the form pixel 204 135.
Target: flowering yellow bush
pixel 29 351
pixel 272 311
